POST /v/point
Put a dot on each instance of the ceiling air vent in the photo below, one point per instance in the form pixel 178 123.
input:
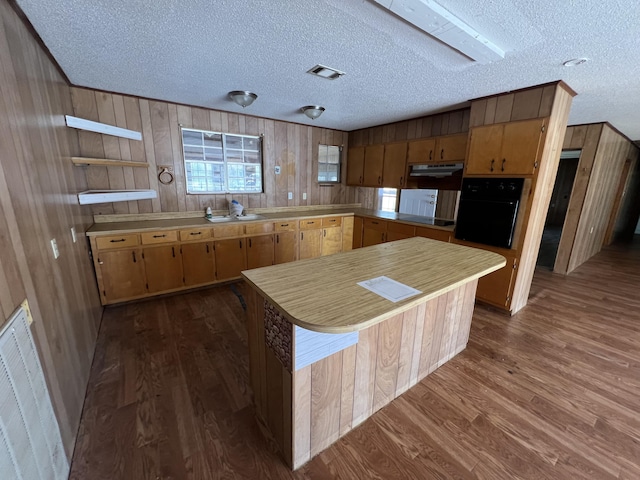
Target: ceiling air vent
pixel 325 72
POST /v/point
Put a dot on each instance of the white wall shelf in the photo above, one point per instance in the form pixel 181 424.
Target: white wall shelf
pixel 105 162
pixel 91 126
pixel 104 196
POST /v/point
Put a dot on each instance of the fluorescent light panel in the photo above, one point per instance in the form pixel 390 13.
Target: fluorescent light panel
pixel 432 18
pixel 82 124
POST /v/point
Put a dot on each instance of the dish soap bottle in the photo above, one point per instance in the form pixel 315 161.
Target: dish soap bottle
pixel 208 213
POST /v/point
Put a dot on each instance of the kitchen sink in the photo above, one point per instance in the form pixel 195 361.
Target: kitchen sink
pixel 220 219
pixel 250 216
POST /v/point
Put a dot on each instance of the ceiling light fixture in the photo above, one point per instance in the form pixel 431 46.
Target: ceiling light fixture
pixel 430 17
pixel 325 72
pixel 575 62
pixel 312 111
pixel 242 97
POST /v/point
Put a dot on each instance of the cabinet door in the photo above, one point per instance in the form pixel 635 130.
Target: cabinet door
pixel 285 249
pixel 355 166
pixel 310 244
pixel 198 263
pixel 433 233
pixel 373 165
pixel 394 165
pixel 421 151
pixel 331 241
pixel 485 148
pixel 357 232
pixel 259 251
pixel 495 288
pixel 372 236
pixel 347 234
pixel 520 146
pixel 452 148
pixel 230 258
pixel 122 274
pixel 399 231
pixel 163 266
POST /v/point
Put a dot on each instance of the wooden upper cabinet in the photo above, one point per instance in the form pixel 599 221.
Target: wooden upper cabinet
pixel 373 165
pixel 506 148
pixel 451 148
pixel 198 263
pixel 355 166
pixel 394 165
pixel 445 149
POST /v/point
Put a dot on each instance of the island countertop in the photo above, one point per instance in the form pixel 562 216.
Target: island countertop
pixel 322 294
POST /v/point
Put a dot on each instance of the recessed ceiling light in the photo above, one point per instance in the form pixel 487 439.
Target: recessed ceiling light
pixel 325 72
pixel 576 61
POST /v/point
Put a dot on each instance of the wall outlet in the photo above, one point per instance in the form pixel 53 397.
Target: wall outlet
pixel 277 169
pixel 304 196
pixel 54 247
pixel 290 196
pixel 73 234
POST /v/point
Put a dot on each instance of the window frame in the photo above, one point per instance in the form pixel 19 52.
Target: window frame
pixel 225 163
pixel 340 153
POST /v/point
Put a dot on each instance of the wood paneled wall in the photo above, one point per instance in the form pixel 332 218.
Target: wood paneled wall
pixel 293 147
pixel 447 123
pixel 604 152
pixel 37 203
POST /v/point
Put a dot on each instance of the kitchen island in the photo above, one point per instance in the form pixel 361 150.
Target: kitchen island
pixel 326 353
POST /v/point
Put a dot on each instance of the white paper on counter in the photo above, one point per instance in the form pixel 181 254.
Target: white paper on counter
pixel 389 288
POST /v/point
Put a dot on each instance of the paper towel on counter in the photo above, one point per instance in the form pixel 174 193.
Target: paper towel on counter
pixel 235 209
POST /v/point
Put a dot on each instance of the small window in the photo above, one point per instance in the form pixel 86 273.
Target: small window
pixel 387 199
pixel 329 160
pixel 221 162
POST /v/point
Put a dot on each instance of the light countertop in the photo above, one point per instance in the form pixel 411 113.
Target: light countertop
pixel 322 294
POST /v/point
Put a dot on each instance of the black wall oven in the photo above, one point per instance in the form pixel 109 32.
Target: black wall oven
pixel 488 210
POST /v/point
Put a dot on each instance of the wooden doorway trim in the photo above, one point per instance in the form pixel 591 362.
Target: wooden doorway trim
pixel 620 193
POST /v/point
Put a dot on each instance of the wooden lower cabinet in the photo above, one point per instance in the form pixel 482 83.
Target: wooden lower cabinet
pixel 163 266
pixel 433 233
pixel 260 251
pixel 496 288
pixel 357 232
pixel 374 232
pixel 310 243
pixel 198 263
pixel 331 241
pixel 230 258
pixel 122 274
pixel 286 247
pixel 399 231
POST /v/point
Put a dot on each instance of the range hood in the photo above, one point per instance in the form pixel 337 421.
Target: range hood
pixel 431 170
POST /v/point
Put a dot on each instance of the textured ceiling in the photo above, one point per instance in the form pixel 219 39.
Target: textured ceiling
pixel 195 51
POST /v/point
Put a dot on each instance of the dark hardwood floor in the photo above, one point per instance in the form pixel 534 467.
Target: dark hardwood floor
pixel 550 393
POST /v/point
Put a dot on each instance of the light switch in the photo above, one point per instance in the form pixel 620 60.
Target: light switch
pixel 277 169
pixel 304 196
pixel 290 196
pixel 54 247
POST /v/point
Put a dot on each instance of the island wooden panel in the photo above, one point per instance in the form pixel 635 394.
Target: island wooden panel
pixel 292 146
pixel 37 187
pixel 593 197
pixel 329 398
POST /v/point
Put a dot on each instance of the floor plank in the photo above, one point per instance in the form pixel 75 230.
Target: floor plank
pixel 552 392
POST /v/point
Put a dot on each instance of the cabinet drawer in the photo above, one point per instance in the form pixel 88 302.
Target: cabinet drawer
pixel 310 224
pixel 117 241
pixel 256 228
pixel 401 228
pixel 228 231
pixel 332 221
pixel 195 234
pixel 285 226
pixel 374 224
pixel 165 236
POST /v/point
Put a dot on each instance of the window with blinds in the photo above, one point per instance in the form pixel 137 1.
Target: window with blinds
pixel 329 160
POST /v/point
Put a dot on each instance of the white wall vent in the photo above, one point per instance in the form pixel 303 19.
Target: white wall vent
pixel 30 442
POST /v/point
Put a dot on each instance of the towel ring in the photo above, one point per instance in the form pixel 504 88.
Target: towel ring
pixel 168 177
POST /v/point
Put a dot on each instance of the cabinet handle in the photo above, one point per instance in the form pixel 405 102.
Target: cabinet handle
pixel 333 220
pixel 249 243
pixel 360 179
pixel 207 248
pixel 240 243
pixel 301 235
pixel 401 180
pixel 159 236
pixel 379 179
pixel 195 233
pixel 441 154
pixel 430 154
pixel 375 223
pixel 100 262
pixel 383 237
pixel 134 257
pixel 324 232
pixel 116 241
pixel 173 252
pixel 493 160
pixel 284 224
pixel 277 238
pixel 503 162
